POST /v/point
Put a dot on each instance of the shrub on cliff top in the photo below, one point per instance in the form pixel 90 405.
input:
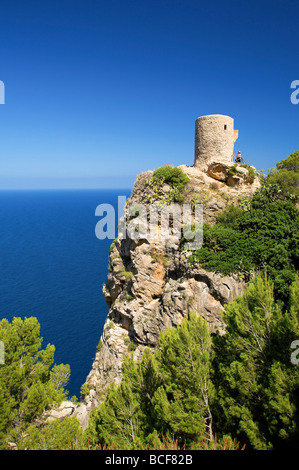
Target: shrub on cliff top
pixel 171 175
pixel 175 178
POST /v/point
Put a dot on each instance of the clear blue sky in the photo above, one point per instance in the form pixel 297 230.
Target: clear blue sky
pixel 99 90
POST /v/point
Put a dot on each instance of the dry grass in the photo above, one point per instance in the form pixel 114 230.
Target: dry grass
pixel 172 444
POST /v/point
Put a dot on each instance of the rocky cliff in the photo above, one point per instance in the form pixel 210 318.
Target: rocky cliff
pixel 151 284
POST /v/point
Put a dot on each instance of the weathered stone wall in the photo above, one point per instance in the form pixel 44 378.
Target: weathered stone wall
pixel 214 140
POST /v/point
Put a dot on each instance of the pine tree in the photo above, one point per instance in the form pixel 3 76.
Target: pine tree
pixel 183 404
pixel 118 421
pixel 27 385
pixel 56 435
pixel 256 382
pixel 165 395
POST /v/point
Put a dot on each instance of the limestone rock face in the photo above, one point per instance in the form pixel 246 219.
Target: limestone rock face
pixel 228 173
pixel 151 285
pixel 67 408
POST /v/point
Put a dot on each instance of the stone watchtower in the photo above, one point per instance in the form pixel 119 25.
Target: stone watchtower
pixel 214 140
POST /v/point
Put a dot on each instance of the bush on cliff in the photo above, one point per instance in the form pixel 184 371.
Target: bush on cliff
pixel 265 235
pixel 174 177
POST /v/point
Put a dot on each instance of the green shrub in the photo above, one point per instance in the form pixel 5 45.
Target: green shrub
pixel 171 175
pixel 251 173
pixel 130 297
pixel 176 179
pixel 112 245
pixel 85 389
pixel 263 236
pixel 128 275
pixel 286 176
pixel 233 171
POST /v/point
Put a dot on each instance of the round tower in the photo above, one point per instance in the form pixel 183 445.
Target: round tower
pixel 214 140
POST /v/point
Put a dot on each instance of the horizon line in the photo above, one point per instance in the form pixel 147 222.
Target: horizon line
pixel 65 189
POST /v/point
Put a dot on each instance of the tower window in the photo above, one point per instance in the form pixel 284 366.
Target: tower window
pixel 225 127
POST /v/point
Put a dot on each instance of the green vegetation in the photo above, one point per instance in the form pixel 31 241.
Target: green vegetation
pixel 175 178
pixel 286 176
pixel 56 435
pixel 128 275
pixel 171 175
pixel 130 297
pixel 130 343
pixel 85 389
pixel 257 384
pixel 112 245
pixel 251 173
pixel 28 386
pixel 233 170
pixel 160 259
pixel 166 394
pixel 259 234
pixel 241 386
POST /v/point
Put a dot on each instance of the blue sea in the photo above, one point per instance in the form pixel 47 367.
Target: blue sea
pixel 53 267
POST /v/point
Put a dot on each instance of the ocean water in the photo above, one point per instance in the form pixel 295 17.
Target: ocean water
pixel 53 267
